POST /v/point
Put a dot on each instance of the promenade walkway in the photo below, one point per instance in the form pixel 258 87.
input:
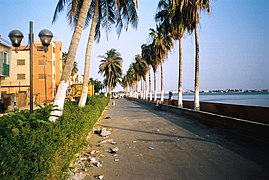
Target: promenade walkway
pixel 159 145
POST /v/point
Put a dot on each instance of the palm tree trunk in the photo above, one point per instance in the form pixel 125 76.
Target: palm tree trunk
pixel 142 90
pixel 162 82
pixel 155 87
pixel 136 89
pixel 180 90
pixel 64 82
pixel 146 88
pixel 84 94
pixel 196 83
pixel 150 91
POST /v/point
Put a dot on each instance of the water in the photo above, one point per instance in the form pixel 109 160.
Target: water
pixel 250 98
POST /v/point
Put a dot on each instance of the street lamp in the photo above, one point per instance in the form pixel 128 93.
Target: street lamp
pixel 16 37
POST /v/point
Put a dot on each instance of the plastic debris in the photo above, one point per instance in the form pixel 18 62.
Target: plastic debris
pixel 106 141
pixel 116 160
pixel 151 148
pixel 114 150
pixel 99 176
pixel 94 152
pixel 104 132
pixel 98 164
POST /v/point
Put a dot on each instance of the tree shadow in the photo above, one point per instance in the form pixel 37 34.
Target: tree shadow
pixel 246 147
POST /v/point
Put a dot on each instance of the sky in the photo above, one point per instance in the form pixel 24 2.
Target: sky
pixel 233 37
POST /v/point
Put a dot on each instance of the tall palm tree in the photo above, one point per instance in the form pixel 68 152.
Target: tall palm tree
pixel 124 83
pixel 64 81
pixel 142 69
pixel 135 76
pixel 127 13
pixel 163 44
pixel 191 15
pixel 103 13
pixel 170 16
pixel 148 55
pixel 111 68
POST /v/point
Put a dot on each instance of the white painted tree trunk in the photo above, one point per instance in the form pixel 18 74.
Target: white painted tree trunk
pixel 59 101
pixel 162 82
pixel 137 90
pixel 196 83
pixel 155 87
pixel 84 94
pixel 146 89
pixel 150 88
pixel 180 90
pixel 61 92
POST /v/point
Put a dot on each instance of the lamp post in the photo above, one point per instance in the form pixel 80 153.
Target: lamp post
pixel 16 37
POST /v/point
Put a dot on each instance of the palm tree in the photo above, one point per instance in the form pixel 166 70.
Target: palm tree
pixel 75 65
pixel 148 55
pixel 103 13
pixel 162 45
pixel 142 69
pixel 191 15
pixel 64 81
pixel 127 13
pixel 111 68
pixel 134 73
pixel 169 15
pixel 124 83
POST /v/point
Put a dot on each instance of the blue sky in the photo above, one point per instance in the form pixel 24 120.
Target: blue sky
pixel 234 41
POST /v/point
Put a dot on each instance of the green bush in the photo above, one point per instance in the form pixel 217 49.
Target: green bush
pixel 31 147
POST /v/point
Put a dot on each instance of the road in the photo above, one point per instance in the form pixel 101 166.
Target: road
pixel 160 145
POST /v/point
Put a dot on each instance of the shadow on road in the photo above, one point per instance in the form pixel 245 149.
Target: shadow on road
pixel 250 149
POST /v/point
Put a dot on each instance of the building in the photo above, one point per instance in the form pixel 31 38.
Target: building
pixel 5 58
pixel 47 69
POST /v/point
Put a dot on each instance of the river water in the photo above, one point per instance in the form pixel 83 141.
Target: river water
pixel 249 98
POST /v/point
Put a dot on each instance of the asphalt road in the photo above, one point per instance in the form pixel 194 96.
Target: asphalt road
pixel 160 145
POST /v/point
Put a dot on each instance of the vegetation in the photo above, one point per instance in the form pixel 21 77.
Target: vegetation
pixel 111 68
pixel 173 19
pixel 75 65
pixel 98 85
pixel 31 147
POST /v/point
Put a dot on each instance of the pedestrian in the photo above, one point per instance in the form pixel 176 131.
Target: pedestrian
pixel 170 95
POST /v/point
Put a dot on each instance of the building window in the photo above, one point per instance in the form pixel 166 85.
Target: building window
pixel 42 62
pixel 40 48
pixel 53 50
pixel 41 76
pixel 20 62
pixel 20 76
pixel 5 58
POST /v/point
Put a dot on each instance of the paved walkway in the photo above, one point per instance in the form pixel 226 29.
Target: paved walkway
pixel 159 145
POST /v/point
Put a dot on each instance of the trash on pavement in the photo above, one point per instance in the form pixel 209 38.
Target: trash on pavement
pixel 106 141
pixel 99 176
pixel 102 132
pixel 114 150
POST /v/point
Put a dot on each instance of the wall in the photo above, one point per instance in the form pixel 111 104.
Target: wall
pixel 252 113
pixel 253 129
